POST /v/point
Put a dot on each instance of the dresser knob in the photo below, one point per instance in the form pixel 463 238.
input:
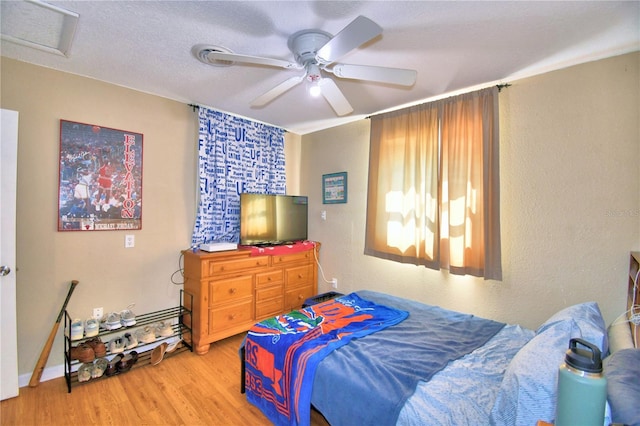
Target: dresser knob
pixel 232 290
pixel 300 275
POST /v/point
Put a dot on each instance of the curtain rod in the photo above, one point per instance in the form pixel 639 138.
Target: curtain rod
pixel 195 108
pixel 499 86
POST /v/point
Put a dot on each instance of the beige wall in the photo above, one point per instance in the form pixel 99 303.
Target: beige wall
pixel 570 200
pixel 110 276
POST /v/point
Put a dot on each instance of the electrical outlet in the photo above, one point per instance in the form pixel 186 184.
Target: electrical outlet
pixel 97 313
pixel 334 283
pixel 129 241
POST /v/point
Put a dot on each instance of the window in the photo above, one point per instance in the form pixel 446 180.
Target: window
pixel 433 196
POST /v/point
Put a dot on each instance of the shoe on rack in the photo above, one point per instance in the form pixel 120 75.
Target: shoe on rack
pixel 77 329
pixel 163 329
pixel 99 367
pixel 99 348
pixel 112 322
pixel 112 368
pixel 157 354
pixel 83 353
pixel 127 362
pixel 174 346
pixel 84 372
pixel 116 345
pixel 127 317
pixel 146 334
pixel 130 341
pixel 91 327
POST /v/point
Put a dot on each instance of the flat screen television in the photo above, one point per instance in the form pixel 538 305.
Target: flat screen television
pixel 268 219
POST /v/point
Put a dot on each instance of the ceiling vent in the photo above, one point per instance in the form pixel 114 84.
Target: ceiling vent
pixel 38 25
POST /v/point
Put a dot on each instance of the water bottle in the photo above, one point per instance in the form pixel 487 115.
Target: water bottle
pixel 582 389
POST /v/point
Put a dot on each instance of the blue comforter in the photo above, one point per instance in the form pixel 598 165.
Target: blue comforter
pixel 283 352
pixel 382 370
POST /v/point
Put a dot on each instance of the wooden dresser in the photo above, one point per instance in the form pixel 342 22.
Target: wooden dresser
pixel 232 290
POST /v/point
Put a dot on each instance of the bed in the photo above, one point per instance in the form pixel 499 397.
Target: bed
pixel 507 376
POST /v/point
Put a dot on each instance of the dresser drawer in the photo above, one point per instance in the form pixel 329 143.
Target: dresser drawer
pixel 265 293
pixel 295 277
pixel 269 278
pixel 305 256
pixel 234 288
pixel 294 299
pixel 228 316
pixel 217 267
pixel 269 308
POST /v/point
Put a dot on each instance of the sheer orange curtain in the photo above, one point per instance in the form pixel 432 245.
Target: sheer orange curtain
pixel 433 196
pixel 402 206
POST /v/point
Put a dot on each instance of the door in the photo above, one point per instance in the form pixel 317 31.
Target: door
pixel 8 334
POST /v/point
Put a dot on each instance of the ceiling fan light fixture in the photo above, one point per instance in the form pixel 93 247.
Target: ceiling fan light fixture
pixel 315 90
pixel 314 77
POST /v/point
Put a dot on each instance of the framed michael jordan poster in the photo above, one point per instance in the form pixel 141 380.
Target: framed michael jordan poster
pixel 100 180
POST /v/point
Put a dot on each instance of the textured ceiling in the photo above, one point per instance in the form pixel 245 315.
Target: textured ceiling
pixel 147 46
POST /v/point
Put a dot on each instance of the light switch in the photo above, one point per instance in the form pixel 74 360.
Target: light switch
pixel 323 215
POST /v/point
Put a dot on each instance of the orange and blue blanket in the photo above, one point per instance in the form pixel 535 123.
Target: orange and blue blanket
pixel 282 353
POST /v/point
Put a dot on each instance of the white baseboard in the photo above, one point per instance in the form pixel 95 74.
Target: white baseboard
pixel 49 373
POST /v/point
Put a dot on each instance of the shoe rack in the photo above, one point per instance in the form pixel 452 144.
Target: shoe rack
pixel 181 331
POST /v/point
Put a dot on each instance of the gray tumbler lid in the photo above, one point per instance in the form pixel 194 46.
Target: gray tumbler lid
pixel 588 360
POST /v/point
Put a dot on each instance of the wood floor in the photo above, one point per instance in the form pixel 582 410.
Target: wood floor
pixel 187 389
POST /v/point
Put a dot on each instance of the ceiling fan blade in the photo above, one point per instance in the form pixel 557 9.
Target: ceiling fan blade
pixel 403 77
pixel 359 31
pixel 334 96
pixel 277 91
pixel 214 56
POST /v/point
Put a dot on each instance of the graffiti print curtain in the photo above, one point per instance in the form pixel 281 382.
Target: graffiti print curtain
pixel 235 155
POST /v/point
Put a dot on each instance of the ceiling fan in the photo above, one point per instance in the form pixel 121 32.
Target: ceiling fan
pixel 316 51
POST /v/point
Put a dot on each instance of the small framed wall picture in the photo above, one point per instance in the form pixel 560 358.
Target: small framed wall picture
pixel 334 188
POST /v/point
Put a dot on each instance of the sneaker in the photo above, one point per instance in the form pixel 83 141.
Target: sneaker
pixel 116 345
pixel 163 329
pixel 130 341
pixel 77 329
pixel 127 317
pixel 112 322
pixel 91 327
pixel 84 372
pixel 83 353
pixel 145 334
pixel 99 367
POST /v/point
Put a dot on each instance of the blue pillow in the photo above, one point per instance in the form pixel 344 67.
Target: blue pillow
pixel 588 318
pixel 622 370
pixel 529 386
